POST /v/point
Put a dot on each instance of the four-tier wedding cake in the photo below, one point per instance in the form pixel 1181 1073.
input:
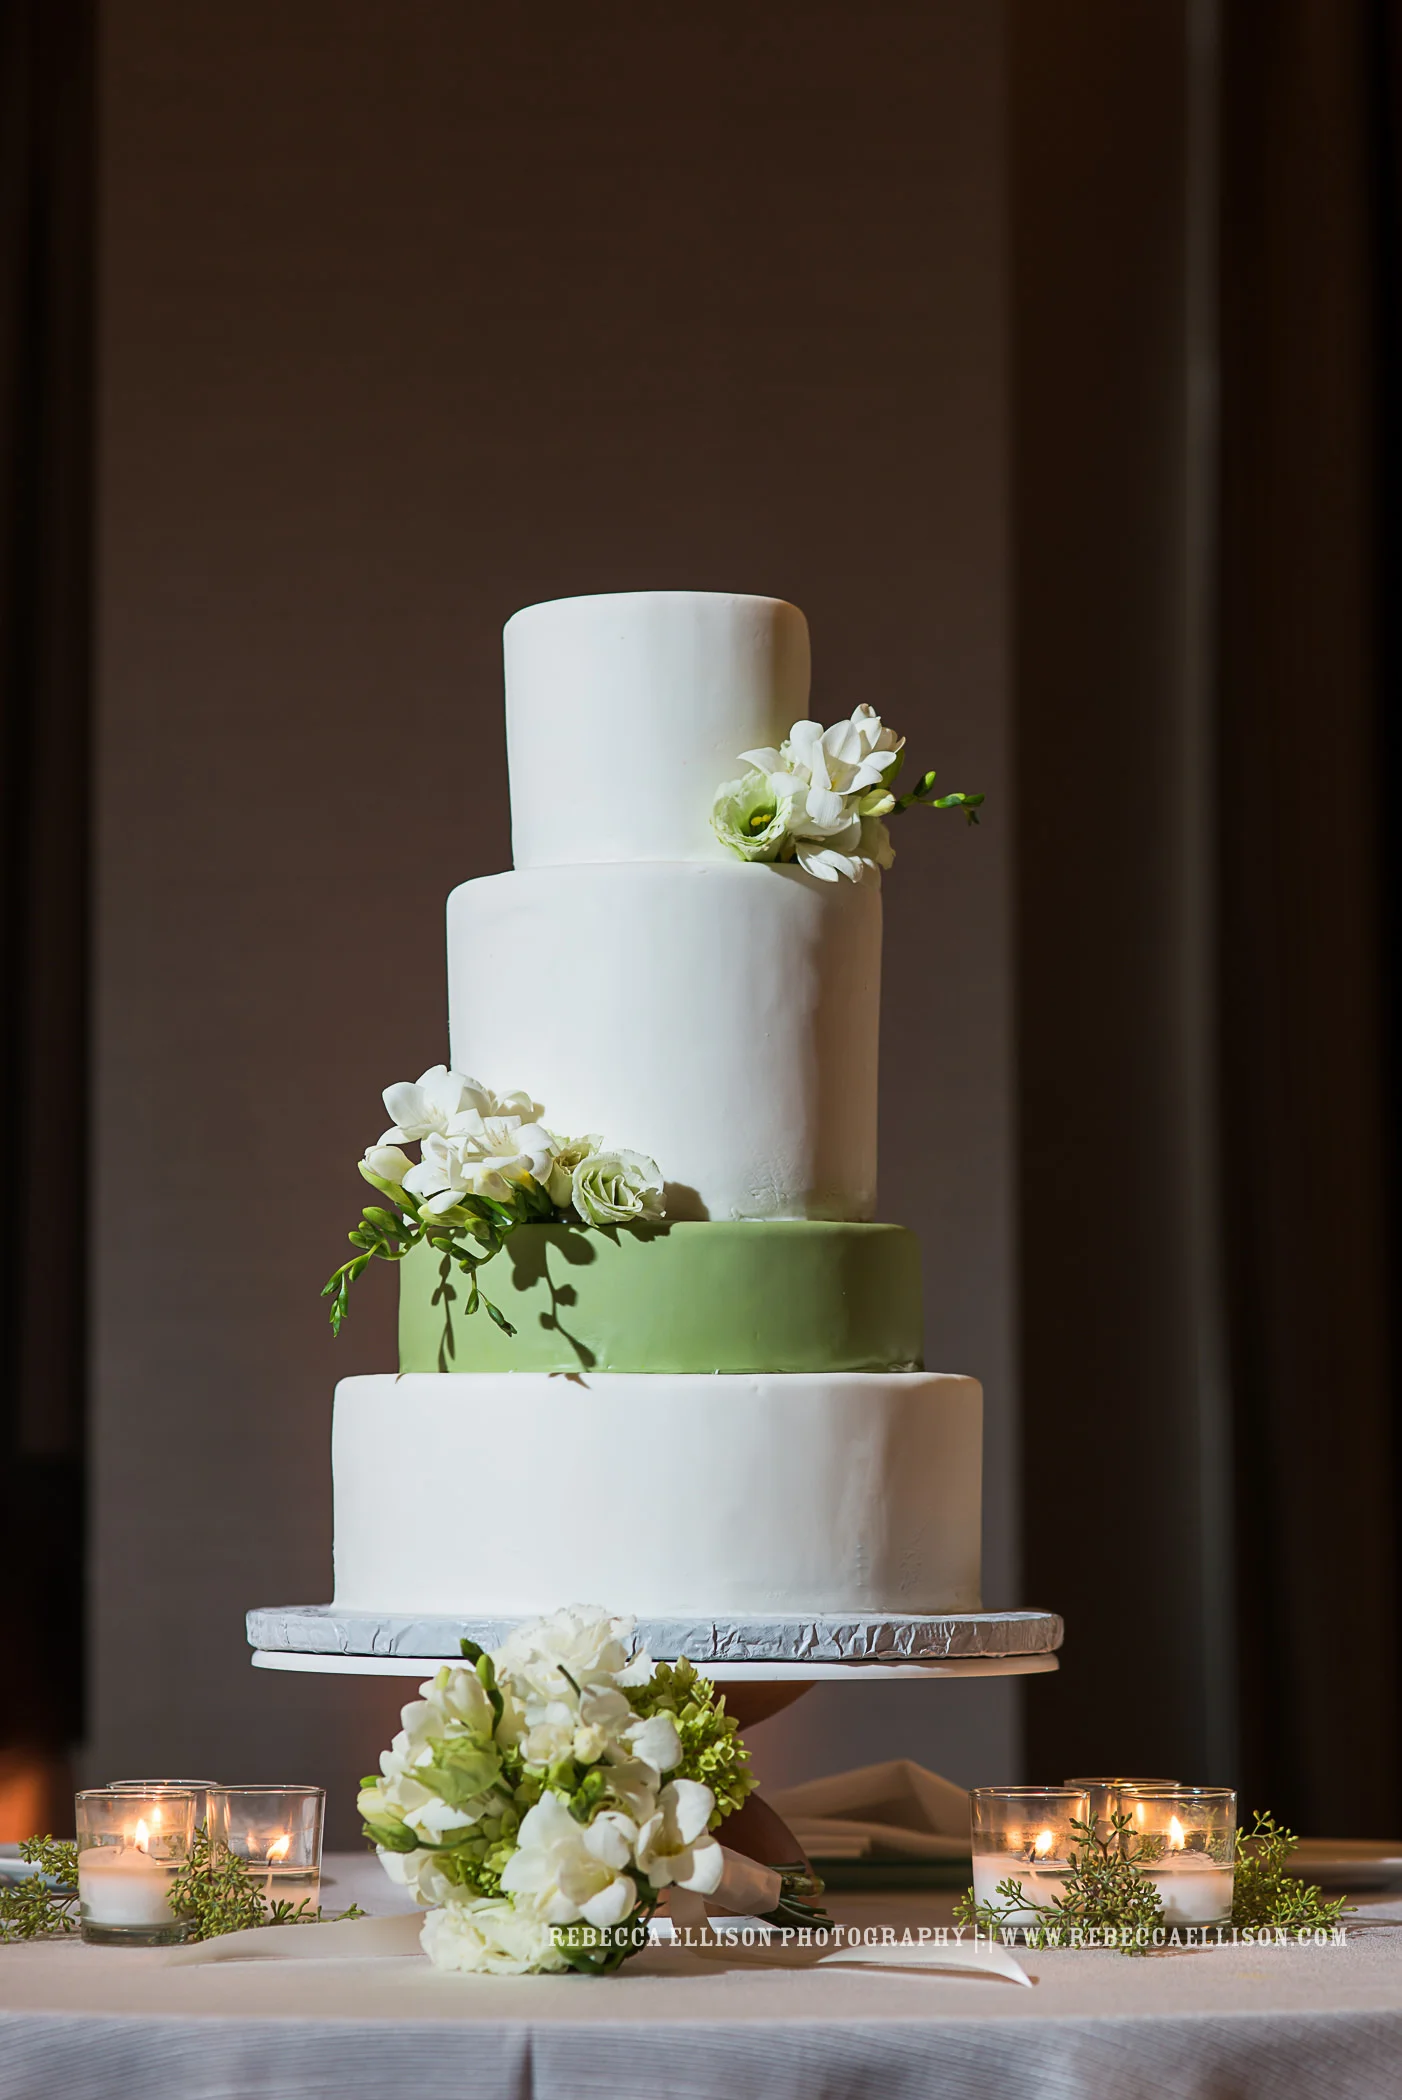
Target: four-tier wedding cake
pixel 713 1400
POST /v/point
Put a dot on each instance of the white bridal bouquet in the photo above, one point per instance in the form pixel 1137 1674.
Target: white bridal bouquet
pixel 823 797
pixel 543 1798
pixel 486 1165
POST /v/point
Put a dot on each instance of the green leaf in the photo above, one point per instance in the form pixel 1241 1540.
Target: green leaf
pixel 498 1316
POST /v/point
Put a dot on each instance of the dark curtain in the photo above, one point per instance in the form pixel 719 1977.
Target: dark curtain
pixel 46 273
pixel 1309 383
pixel 1206 490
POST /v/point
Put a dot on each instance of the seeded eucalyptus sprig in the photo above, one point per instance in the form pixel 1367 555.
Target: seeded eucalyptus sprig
pixel 42 1905
pixel 217 1892
pixel 1264 1892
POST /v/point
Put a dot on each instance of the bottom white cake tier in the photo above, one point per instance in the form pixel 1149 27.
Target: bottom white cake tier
pixel 517 1492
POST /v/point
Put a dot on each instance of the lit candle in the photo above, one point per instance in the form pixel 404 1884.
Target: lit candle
pixel 1036 1870
pixel 1194 1888
pixel 1026 1835
pixel 129 1850
pixel 123 1885
pixel 1186 1848
pixel 276 1830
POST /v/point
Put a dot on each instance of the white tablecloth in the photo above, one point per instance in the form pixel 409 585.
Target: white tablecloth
pixel 94 2023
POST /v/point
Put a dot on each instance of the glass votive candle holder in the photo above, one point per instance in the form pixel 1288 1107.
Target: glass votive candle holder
pixel 1024 1834
pixel 1187 1846
pixel 277 1830
pixel 200 1788
pixel 131 1845
pixel 1102 1805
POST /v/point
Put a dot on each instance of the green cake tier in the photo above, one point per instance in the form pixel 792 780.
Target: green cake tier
pixel 790 1296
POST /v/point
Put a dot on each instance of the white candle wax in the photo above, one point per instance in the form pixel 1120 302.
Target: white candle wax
pixel 1193 1888
pixel 122 1885
pixel 1043 1883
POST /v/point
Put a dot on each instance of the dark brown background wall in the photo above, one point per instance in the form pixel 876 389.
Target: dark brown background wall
pixel 413 315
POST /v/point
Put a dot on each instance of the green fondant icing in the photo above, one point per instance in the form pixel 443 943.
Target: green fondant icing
pixel 786 1296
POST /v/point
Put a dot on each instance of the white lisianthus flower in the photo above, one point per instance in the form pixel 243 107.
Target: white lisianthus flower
pixel 617 1188
pixel 569 1153
pixel 489 1936
pixel 563 1870
pixel 751 816
pixel 673 1845
pixel 389 1163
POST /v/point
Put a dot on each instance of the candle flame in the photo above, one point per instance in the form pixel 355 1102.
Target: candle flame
pixel 280 1847
pixel 1175 1834
pixel 1044 1842
pixel 142 1840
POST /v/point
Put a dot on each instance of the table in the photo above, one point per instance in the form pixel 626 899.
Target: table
pixel 1235 2023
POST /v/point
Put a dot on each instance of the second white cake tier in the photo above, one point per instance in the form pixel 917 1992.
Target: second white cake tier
pixel 515 1493
pixel 724 1020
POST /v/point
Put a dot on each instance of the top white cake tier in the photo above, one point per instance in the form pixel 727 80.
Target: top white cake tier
pixel 625 713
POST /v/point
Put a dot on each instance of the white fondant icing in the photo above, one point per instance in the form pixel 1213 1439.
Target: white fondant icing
pixel 722 1018
pixel 625 713
pixel 855 1492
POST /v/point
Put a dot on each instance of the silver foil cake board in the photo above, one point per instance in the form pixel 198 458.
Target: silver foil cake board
pixel 323 1638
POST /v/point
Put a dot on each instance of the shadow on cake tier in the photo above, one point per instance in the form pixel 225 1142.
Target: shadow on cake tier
pixel 787 1296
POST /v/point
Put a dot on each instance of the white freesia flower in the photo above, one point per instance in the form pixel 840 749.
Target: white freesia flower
pixel 674 1845
pixel 479 1156
pixel 498 1152
pixel 655 1741
pixel 617 1188
pixel 389 1162
pixel 563 1870
pixel 425 1104
pixel 489 1936
pixel 420 1874
pixel 429 1103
